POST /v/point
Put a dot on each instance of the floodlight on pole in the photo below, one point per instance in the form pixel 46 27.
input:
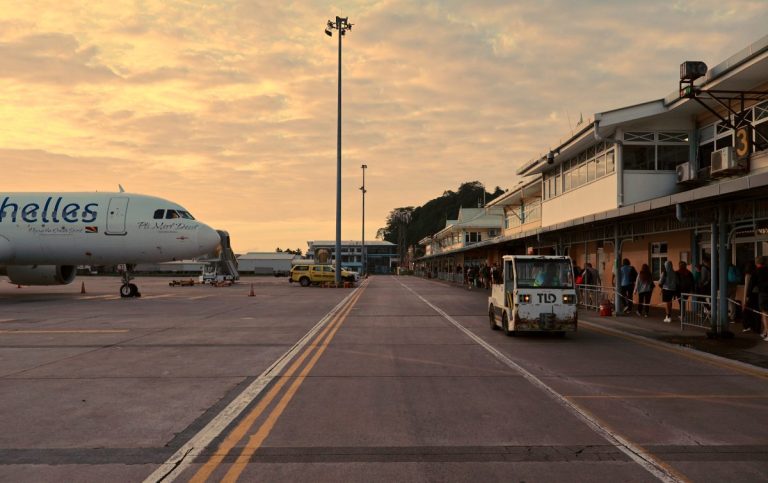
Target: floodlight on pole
pixel 364 269
pixel 342 25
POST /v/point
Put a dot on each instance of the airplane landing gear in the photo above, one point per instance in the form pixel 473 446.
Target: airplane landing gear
pixel 128 289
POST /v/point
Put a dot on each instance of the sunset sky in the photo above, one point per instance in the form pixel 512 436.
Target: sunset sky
pixel 229 107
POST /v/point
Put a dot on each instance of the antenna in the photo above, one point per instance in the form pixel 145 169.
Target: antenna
pixel 122 190
pixel 569 122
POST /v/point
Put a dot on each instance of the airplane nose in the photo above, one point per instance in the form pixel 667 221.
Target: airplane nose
pixel 208 240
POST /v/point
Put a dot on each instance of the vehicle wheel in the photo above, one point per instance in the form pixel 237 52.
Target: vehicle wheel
pixel 125 290
pixel 134 290
pixel 505 325
pixel 304 281
pixel 492 318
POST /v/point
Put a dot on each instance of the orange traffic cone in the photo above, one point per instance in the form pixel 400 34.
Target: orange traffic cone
pixel 82 288
pixel 251 294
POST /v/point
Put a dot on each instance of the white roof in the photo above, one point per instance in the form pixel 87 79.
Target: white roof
pixel 267 256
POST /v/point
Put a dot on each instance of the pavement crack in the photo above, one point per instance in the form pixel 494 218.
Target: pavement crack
pixel 176 464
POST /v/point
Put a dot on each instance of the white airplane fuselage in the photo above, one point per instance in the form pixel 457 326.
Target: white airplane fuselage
pixel 69 229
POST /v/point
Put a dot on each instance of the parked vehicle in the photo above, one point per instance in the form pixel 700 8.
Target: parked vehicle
pixel 307 275
pixel 537 294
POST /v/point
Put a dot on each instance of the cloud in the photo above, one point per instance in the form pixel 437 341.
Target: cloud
pixel 230 107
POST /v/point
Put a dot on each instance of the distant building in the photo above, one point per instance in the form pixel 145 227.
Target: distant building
pixel 179 267
pixel 266 263
pixel 381 255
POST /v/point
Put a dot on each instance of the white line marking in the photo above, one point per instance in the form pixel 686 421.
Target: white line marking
pixel 637 454
pixel 199 297
pixel 163 296
pixel 181 459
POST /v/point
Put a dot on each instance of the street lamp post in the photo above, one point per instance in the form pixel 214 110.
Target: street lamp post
pixel 365 261
pixel 342 25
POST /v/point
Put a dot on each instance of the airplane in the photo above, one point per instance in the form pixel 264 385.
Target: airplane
pixel 45 236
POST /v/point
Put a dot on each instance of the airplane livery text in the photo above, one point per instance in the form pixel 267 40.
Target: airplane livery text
pixel 51 211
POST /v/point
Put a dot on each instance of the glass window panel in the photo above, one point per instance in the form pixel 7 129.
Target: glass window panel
pixel 761 111
pixel 722 129
pixel 639 137
pixel 673 137
pixel 610 161
pixel 567 179
pixel 724 142
pixel 761 136
pixel 671 156
pixel 590 152
pixel 600 166
pixel 639 157
pixel 557 185
pixel 705 153
pixel 706 133
pixel 591 170
pixel 582 174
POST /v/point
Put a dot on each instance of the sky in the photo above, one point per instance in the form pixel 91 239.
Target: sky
pixel 229 107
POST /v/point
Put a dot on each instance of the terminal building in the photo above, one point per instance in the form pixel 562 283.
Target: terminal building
pixel 680 178
pixel 381 256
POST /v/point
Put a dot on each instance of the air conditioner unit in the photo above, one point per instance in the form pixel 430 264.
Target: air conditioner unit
pixel 725 163
pixel 686 173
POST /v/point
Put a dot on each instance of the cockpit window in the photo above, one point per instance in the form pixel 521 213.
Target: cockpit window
pixel 186 215
pixel 170 214
pixel 159 214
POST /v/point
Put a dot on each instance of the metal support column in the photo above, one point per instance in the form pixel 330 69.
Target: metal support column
pixel 713 276
pixel 722 279
pixel 616 264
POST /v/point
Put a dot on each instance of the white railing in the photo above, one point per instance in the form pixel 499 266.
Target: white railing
pixel 591 296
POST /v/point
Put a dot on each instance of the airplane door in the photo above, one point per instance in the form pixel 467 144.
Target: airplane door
pixel 118 209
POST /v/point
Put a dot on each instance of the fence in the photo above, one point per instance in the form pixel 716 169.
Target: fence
pixel 695 311
pixel 590 296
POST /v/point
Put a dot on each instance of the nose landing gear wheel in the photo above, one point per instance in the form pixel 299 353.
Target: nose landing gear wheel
pixel 129 290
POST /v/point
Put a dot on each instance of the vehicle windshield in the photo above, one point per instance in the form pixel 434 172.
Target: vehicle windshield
pixel 544 274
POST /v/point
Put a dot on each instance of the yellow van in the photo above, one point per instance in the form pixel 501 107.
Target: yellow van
pixel 309 274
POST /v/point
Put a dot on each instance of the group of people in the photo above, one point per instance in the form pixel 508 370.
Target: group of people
pixel 754 301
pixel 480 276
pixel 673 283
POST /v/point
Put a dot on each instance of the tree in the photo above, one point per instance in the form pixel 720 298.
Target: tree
pixel 431 217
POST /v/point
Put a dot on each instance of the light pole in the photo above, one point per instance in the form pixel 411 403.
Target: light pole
pixel 362 188
pixel 342 25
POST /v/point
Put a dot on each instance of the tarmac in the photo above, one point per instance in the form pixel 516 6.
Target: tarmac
pixel 745 347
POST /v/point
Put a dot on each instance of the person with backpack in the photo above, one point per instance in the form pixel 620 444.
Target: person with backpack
pixel 669 289
pixel 686 285
pixel 644 288
pixel 627 278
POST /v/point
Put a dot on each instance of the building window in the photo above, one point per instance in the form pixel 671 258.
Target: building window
pixel 658 258
pixel 589 165
pixel 663 151
pixel 471 237
pixel 670 156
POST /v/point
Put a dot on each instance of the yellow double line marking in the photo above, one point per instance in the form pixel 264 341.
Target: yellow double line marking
pixel 257 438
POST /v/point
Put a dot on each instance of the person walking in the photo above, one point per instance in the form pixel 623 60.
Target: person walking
pixel 644 288
pixel 627 278
pixel 686 286
pixel 669 289
pixel 761 281
pixel 591 281
pixel 750 308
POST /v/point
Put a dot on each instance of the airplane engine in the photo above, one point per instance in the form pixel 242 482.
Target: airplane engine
pixel 41 274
